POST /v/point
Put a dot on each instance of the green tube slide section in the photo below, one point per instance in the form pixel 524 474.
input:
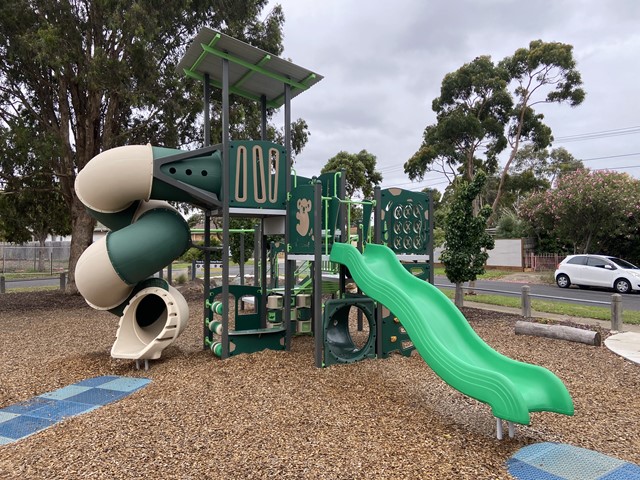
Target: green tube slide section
pixel 146 246
pixel 448 344
pixel 204 173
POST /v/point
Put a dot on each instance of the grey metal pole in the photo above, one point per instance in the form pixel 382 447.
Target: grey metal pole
pixel 430 243
pixel 256 256
pixel 318 328
pixel 225 208
pixel 241 259
pixel 288 265
pixel 263 270
pixel 2 284
pixel 377 238
pixel 63 281
pixel 207 213
pixel 206 271
pixel 263 117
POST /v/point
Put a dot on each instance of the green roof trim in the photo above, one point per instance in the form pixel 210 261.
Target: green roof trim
pixel 253 73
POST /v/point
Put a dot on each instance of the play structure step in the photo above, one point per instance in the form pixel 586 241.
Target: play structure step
pixel 255 340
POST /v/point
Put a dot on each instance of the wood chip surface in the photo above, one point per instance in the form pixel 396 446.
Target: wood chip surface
pixel 274 415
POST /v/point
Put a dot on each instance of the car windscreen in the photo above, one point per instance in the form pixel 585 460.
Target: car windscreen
pixel 622 263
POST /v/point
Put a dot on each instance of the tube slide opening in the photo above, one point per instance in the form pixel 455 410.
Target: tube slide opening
pixel 150 318
pixel 153 319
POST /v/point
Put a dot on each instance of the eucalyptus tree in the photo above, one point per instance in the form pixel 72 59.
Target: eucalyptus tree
pixel 95 74
pixel 484 109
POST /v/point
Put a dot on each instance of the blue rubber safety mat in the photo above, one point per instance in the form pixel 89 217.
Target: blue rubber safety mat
pixel 559 461
pixel 26 418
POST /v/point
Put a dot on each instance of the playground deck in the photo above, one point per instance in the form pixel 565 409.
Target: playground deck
pixel 273 414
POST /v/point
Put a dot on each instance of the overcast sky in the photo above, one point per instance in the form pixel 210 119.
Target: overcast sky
pixel 384 61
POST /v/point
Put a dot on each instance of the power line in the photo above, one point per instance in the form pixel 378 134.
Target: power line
pixel 609 156
pixel 598 134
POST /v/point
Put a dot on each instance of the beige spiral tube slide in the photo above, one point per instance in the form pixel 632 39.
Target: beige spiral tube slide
pixel 115 273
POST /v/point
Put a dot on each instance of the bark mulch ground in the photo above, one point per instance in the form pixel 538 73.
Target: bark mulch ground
pixel 274 415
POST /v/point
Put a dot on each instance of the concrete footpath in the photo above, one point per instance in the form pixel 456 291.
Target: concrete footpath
pixel 625 343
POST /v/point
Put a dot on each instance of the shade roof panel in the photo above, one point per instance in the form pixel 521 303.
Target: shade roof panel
pixel 252 72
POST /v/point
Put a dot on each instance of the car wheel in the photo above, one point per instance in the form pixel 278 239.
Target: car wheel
pixel 563 281
pixel 622 286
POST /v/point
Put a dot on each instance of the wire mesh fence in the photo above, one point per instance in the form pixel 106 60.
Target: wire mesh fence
pixel 49 259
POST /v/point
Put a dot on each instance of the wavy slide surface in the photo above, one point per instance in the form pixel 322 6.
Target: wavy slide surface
pixel 448 344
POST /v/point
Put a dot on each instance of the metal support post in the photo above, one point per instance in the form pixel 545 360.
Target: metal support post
pixel 377 238
pixel 225 208
pixel 318 330
pixel 288 265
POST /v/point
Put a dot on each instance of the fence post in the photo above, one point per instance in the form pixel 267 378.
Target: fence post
pixel 616 312
pixel 63 281
pixel 193 270
pixel 526 301
pixel 2 285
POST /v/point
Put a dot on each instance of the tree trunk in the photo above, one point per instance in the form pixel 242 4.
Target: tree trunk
pixel 459 297
pixel 41 253
pixel 82 225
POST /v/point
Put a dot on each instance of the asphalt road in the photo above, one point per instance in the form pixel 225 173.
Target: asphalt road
pixel 591 297
pixel 569 295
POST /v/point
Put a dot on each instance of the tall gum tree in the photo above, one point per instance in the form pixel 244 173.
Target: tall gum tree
pixel 478 117
pixel 471 111
pixel 95 74
pixel 545 72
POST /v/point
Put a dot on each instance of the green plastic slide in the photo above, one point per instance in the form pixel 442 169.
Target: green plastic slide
pixel 448 344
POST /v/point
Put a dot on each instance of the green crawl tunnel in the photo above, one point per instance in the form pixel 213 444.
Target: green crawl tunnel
pixel 339 345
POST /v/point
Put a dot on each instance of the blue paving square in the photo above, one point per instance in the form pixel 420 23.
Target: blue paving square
pixel 29 405
pixel 61 409
pixel 25 418
pixel 628 471
pixel 4 416
pixel 530 452
pixel 66 392
pixel 126 384
pixel 98 396
pixel 96 381
pixel 22 426
pixel 524 471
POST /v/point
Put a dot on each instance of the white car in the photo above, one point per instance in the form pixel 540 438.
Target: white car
pixel 598 271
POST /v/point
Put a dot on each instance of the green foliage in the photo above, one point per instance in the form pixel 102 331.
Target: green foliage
pixel 472 111
pixel 198 255
pixel 31 201
pixel 466 239
pixel 544 164
pixel 361 177
pixel 361 174
pixel 484 107
pixel 97 74
pixel 510 225
pixel 195 219
pixel 590 211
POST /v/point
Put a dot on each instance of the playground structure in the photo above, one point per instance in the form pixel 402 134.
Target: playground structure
pixel 127 189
